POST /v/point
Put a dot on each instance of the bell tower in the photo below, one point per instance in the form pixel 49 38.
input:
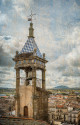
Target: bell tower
pixel 31 97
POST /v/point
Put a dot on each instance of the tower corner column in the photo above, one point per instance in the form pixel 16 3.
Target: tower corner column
pixel 34 93
pixel 43 78
pixel 17 92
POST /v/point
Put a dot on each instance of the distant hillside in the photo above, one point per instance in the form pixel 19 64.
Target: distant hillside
pixel 7 90
pixel 1 88
pixel 61 87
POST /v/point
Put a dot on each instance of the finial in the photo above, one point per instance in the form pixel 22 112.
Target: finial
pixel 43 55
pixel 31 16
pixel 17 53
pixel 31 30
pixel 34 53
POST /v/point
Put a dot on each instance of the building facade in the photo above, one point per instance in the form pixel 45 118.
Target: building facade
pixel 74 117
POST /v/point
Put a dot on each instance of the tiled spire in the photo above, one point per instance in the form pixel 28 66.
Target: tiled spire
pixel 30 44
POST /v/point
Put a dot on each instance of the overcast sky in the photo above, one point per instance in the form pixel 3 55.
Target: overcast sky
pixel 56 31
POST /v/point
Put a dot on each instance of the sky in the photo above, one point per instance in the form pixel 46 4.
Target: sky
pixel 57 34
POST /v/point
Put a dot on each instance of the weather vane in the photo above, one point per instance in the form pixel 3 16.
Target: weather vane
pixel 31 16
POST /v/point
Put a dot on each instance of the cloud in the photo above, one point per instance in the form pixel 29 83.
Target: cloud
pixel 7 77
pixel 67 62
pixel 70 71
pixel 7 37
pixel 77 2
pixel 3 19
pixel 76 62
pixel 4 72
pixel 22 8
pixel 5 59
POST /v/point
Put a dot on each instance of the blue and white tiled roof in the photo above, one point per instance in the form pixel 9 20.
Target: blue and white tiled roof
pixel 29 47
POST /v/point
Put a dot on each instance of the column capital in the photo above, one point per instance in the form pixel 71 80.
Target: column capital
pixel 34 68
pixel 44 69
pixel 17 68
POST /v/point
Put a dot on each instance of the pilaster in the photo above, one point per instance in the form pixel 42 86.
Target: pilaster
pixel 43 79
pixel 34 92
pixel 26 81
pixel 17 91
pixel 34 80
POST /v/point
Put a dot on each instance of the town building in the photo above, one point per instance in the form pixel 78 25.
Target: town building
pixel 74 117
pixel 64 109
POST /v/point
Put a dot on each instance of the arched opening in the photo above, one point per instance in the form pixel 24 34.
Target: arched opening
pixel 26 111
pixel 22 77
pixel 39 78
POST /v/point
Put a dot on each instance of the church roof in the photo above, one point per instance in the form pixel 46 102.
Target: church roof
pixel 29 47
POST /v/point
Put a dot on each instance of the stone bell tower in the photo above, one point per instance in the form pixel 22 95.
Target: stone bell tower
pixel 31 97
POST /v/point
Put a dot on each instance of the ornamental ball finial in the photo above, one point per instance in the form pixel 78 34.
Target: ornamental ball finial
pixel 17 52
pixel 43 55
pixel 35 51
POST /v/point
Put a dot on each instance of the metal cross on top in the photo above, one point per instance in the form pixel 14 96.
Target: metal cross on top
pixel 31 16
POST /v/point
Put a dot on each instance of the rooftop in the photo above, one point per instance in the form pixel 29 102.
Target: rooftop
pixel 30 46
